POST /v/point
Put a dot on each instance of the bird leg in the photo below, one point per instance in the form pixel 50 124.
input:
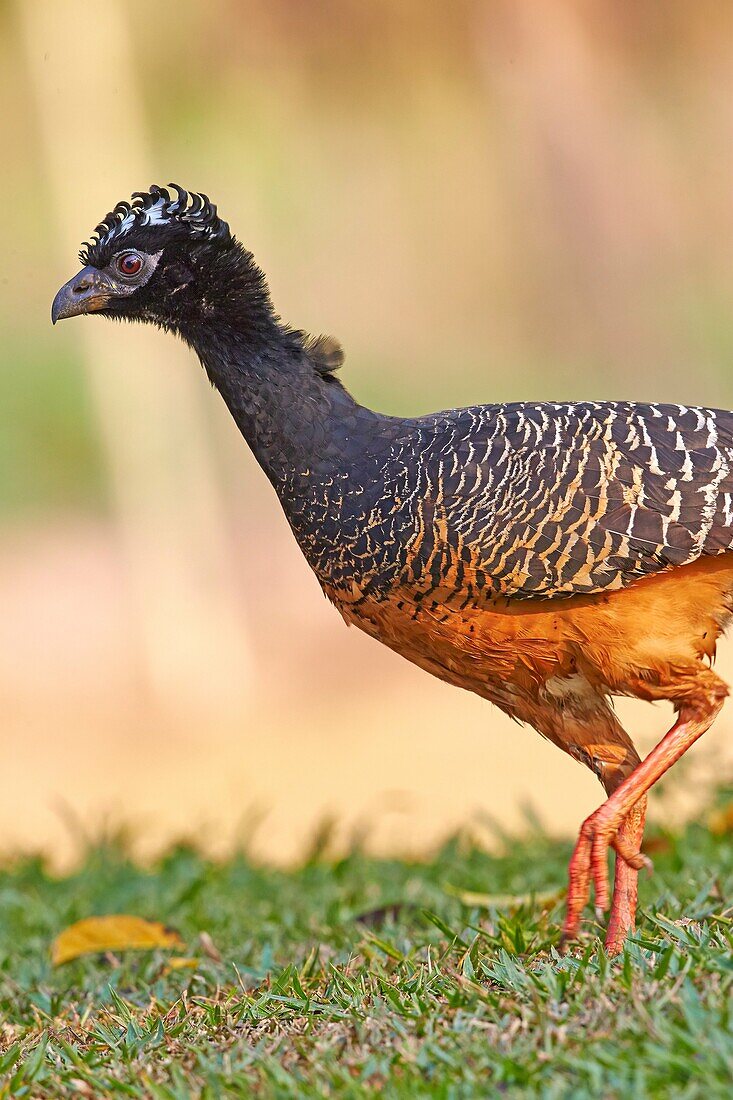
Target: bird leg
pixel 611 826
pixel 585 727
pixel 622 918
pixel 629 860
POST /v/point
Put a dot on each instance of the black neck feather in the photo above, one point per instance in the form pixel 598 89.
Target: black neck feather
pixel 308 434
pixel 283 407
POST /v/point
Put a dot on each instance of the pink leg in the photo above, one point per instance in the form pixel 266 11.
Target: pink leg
pixel 622 919
pixel 625 890
pixel 604 828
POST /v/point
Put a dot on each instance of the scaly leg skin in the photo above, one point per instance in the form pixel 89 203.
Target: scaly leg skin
pixel 587 729
pixel 622 920
pixel 625 887
pixel 603 829
pixel 623 910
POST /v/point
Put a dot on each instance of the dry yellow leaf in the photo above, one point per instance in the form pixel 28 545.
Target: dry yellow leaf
pixel 116 932
pixel 181 962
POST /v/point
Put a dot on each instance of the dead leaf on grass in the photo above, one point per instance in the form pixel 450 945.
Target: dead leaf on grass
pixel 115 932
pixel 180 962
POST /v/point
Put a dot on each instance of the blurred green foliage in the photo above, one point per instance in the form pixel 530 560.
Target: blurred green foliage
pixel 49 452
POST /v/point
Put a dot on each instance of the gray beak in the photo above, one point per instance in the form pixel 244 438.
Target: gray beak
pixel 89 291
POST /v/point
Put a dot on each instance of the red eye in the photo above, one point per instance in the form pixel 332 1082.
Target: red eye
pixel 129 264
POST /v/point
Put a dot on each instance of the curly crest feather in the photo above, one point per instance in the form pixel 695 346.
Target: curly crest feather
pixel 190 211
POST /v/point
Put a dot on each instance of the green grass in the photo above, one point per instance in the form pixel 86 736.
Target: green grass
pixel 362 976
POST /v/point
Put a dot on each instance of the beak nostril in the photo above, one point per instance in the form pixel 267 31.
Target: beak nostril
pixel 82 286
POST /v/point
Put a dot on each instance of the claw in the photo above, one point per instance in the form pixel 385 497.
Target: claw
pixel 643 863
pixel 635 859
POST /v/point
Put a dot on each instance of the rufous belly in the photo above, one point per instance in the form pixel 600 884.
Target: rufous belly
pixel 627 642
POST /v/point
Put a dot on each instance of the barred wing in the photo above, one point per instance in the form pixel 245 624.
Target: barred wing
pixel 549 499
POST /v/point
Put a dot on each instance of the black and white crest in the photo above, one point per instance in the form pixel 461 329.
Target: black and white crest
pixel 191 213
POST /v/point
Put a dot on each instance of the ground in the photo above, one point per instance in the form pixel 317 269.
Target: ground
pixel 356 977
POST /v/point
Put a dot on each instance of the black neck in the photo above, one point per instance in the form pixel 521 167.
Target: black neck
pixel 301 424
pixel 281 405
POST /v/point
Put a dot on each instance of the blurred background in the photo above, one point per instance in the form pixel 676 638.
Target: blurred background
pixel 483 201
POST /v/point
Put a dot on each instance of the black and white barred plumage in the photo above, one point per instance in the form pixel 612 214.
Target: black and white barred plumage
pixel 558 499
pixel 520 501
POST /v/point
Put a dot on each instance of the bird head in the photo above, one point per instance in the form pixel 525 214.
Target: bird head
pixel 167 258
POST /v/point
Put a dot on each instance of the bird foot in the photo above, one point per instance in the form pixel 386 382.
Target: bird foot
pixel 589 864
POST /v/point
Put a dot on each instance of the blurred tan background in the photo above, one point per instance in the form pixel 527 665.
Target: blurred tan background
pixel 483 201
